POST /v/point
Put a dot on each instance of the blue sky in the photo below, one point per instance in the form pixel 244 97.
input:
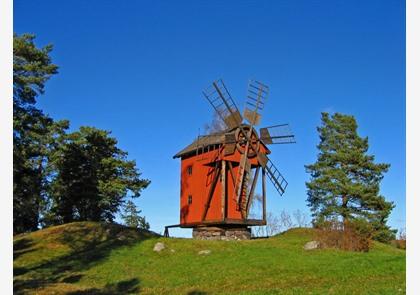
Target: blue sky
pixel 137 68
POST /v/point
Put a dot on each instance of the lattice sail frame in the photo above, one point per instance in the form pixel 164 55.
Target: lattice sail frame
pixel 221 100
pixel 277 134
pixel 256 97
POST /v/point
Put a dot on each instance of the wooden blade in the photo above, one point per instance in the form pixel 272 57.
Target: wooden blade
pixel 230 143
pixel 252 117
pixel 275 177
pixel 233 120
pixel 257 94
pixel 219 97
pixel 278 134
pixel 262 159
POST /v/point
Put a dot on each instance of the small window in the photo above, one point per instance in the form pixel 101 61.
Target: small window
pixel 189 199
pixel 189 170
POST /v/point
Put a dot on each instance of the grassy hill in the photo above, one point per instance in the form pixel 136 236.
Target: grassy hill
pixel 93 258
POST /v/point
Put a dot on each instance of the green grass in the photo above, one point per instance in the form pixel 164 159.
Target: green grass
pixel 93 258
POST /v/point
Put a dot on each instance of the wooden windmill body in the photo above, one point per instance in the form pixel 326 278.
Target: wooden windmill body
pixel 221 171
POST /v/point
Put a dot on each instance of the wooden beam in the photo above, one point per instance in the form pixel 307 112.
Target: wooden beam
pixel 211 191
pixel 228 221
pixel 227 191
pixel 224 192
pixel 231 173
pixel 263 191
pixel 251 192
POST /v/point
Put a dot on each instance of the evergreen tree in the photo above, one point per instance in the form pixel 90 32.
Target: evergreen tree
pixel 345 181
pixel 92 178
pixel 32 68
pixel 34 133
pixel 132 217
pixel 58 177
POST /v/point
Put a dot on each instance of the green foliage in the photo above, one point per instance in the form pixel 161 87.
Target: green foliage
pixel 132 217
pixel 88 258
pixel 384 234
pixel 34 133
pixel 345 180
pixel 31 168
pixel 92 178
pixel 32 67
pixel 60 177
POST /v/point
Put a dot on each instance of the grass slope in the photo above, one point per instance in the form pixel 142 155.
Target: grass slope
pixel 93 258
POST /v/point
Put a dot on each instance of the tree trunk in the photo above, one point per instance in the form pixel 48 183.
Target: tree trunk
pixel 344 214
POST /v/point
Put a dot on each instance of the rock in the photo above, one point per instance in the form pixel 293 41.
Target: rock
pixel 121 236
pixel 311 245
pixel 159 247
pixel 172 251
pixel 221 233
pixel 204 252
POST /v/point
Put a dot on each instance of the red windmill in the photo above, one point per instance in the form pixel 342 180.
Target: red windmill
pixel 220 171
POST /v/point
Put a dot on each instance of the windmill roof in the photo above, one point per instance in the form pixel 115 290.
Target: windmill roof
pixel 202 142
pixel 206 140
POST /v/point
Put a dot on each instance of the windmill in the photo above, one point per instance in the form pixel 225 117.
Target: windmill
pixel 219 171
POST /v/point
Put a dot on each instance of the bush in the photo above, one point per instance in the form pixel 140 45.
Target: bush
pixel 400 243
pixel 353 235
pixel 384 235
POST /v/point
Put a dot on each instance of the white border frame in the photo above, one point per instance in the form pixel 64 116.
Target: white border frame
pixel 6 145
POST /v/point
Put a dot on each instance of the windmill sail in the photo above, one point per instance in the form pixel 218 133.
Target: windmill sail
pixel 257 94
pixel 221 100
pixel 276 177
pixel 219 97
pixel 277 134
pixel 230 143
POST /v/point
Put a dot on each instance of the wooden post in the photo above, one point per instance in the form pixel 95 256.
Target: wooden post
pixel 263 191
pixel 211 191
pixel 231 174
pixel 251 192
pixel 223 195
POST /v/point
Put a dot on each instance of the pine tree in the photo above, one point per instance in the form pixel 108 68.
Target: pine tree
pixel 92 178
pixel 34 133
pixel 345 181
pixel 132 218
pixel 59 177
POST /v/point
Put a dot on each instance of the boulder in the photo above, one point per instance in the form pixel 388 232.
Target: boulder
pixel 159 247
pixel 311 245
pixel 204 252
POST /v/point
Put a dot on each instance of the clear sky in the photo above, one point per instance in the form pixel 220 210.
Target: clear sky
pixel 137 68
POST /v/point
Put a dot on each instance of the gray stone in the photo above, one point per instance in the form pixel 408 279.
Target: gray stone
pixel 222 233
pixel 311 245
pixel 204 252
pixel 159 247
